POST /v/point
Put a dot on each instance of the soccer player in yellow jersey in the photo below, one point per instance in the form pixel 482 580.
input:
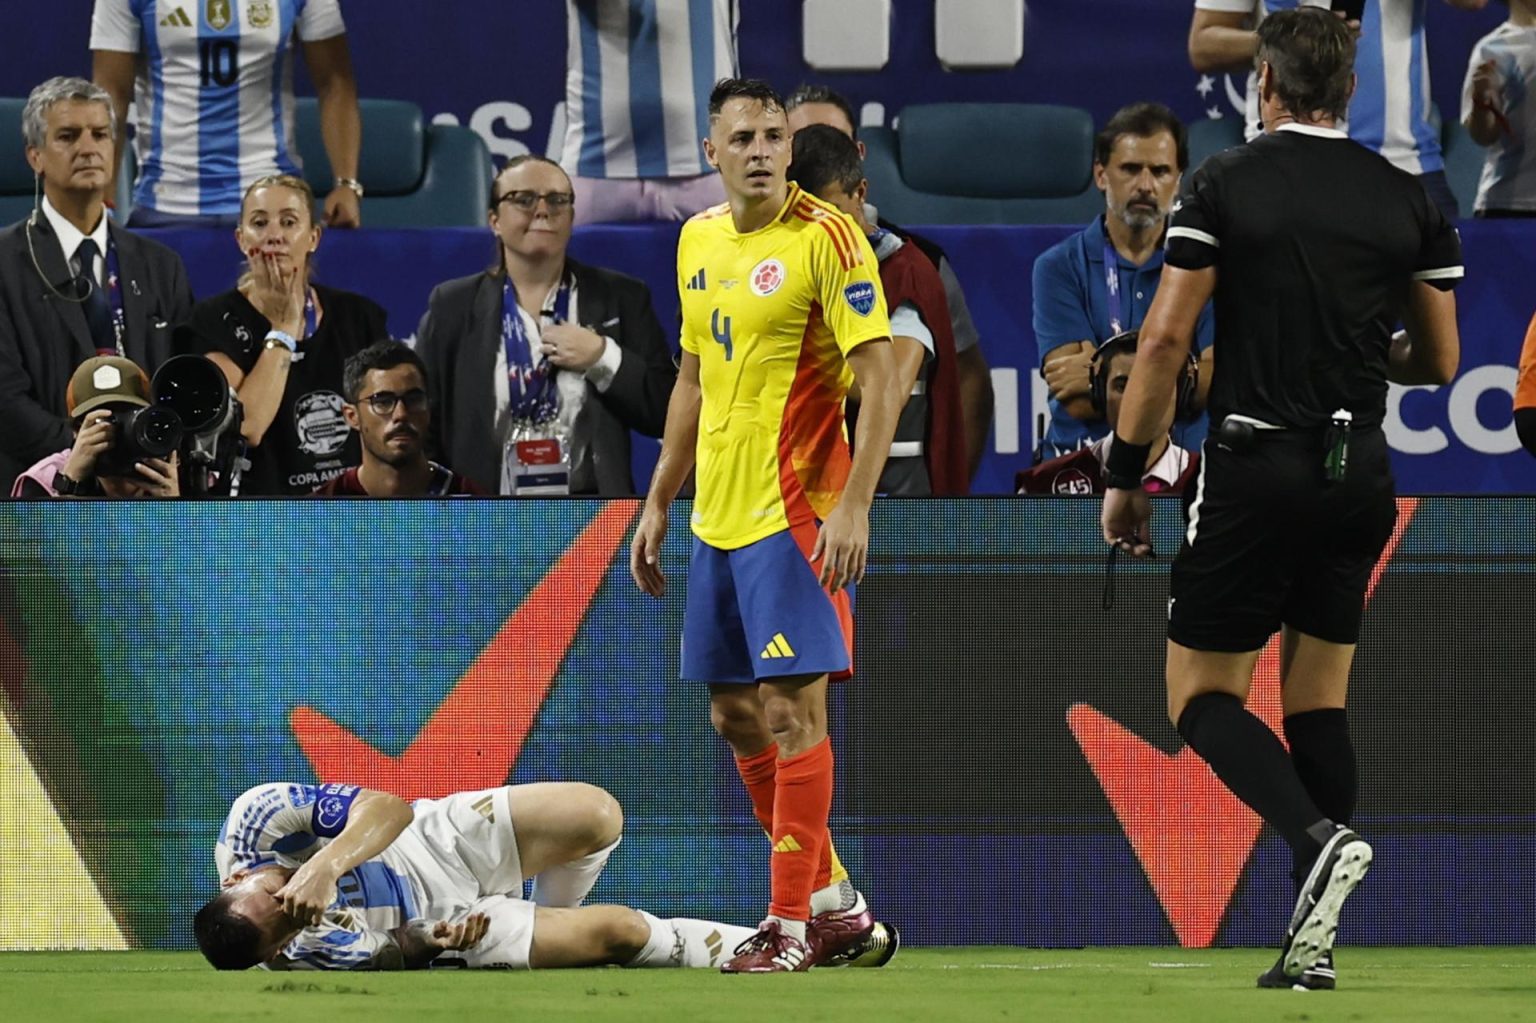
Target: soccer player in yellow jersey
pixel 782 311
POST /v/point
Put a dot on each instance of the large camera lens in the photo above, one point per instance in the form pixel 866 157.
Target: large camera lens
pixel 156 431
pixel 195 389
pixel 153 432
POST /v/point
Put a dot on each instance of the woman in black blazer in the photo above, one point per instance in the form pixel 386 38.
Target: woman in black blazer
pixel 584 362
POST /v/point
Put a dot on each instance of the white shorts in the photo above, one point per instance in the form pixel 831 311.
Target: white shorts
pixel 459 849
pixel 462 850
pixel 508 942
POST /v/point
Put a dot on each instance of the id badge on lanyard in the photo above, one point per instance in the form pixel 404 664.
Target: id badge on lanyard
pixel 536 463
pixel 536 457
pixel 1119 303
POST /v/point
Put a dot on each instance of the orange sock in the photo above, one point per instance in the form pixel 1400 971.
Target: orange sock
pixel 802 802
pixel 758 773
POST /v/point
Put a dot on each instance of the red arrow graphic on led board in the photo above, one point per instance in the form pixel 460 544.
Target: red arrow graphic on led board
pixel 1192 836
pixel 474 736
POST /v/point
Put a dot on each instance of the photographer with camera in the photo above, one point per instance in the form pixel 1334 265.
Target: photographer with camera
pixel 124 445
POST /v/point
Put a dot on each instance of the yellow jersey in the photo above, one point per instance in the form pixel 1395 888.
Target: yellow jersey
pixel 772 315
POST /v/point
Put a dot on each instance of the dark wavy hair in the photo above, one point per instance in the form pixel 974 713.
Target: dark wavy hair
pixel 228 940
pixel 1143 120
pixel 1311 57
pixel 385 354
pixel 727 89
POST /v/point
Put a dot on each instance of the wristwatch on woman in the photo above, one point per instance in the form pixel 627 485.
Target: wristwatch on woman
pixel 280 339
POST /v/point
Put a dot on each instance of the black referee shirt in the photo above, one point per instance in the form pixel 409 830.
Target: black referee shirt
pixel 1316 241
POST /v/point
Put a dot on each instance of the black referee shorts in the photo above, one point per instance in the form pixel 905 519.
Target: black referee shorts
pixel 1269 541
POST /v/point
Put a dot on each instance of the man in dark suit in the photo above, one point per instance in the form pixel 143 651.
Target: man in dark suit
pixel 545 347
pixel 72 283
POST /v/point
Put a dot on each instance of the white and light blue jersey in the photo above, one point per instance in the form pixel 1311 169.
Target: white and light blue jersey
pixel 213 96
pixel 285 824
pixel 637 83
pixel 1391 111
pixel 1509 171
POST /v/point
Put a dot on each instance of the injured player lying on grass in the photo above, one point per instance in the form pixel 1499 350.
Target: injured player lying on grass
pixel 338 877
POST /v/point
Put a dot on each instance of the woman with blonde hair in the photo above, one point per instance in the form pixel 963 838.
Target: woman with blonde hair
pixel 283 342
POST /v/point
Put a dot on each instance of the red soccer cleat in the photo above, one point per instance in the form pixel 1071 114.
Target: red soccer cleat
pixel 770 950
pixel 834 934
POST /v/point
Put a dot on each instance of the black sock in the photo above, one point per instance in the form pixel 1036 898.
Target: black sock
pixel 1325 763
pixel 1251 761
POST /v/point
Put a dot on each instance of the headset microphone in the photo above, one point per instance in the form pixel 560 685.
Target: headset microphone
pixel 87 273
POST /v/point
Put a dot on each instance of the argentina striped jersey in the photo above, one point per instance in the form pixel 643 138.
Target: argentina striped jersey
pixel 284 824
pixel 213 94
pixel 637 83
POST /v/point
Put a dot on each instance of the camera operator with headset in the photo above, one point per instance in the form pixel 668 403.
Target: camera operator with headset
pixel 124 446
pixel 72 283
pixel 1169 468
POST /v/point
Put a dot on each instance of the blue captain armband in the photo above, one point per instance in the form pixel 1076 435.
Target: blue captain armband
pixel 333 804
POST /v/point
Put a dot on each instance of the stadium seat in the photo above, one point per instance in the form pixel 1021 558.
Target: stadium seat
pixel 846 35
pixel 978 35
pixel 15 175
pixel 416 174
pixel 1210 135
pixel 1463 164
pixel 984 163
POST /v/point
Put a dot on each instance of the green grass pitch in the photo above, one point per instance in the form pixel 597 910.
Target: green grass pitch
pixel 1120 985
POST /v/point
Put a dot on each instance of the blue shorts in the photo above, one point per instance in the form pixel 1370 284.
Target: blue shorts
pixel 758 612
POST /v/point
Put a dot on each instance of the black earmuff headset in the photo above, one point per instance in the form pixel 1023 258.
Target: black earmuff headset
pixel 1188 386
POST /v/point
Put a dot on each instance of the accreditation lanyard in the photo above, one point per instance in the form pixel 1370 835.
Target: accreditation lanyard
pixel 115 297
pixel 311 321
pixel 1120 313
pixel 533 396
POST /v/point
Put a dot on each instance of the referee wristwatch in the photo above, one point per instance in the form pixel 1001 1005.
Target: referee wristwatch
pixel 352 183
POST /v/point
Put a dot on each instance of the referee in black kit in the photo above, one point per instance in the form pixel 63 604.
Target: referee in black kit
pixel 1312 245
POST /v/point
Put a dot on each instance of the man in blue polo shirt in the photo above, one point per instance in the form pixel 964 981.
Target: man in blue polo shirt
pixel 1078 304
